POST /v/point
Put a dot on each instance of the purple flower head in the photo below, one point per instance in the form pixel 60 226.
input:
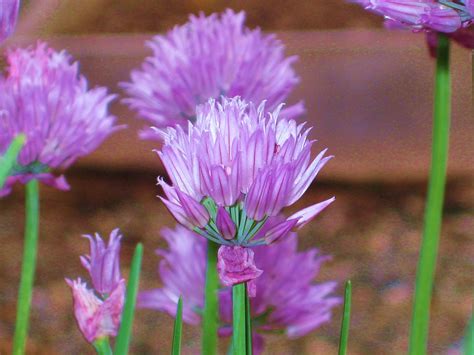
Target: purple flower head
pixel 287 297
pixel 205 58
pixel 8 16
pixel 240 158
pixel 243 161
pixel 44 96
pixel 97 317
pixel 103 263
pixel 98 310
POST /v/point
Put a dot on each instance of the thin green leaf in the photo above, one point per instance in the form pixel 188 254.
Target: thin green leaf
pixel 346 319
pixel 468 346
pixel 210 321
pixel 434 202
pixel 125 332
pixel 178 329
pixel 8 160
pixel 28 267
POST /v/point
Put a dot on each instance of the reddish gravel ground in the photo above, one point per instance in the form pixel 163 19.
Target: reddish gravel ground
pixel 372 231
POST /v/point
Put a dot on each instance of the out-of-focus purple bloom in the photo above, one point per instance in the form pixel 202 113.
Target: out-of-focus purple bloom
pixel 98 310
pixel 103 263
pixel 97 317
pixel 182 272
pixel 242 158
pixel 287 297
pixel 431 16
pixel 8 16
pixel 470 6
pixel 205 58
pixel 236 265
pixel 44 96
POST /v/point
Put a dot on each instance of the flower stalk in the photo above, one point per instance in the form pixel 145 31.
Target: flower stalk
pixel 27 268
pixel 102 346
pixel 8 160
pixel 240 342
pixel 434 202
pixel 210 321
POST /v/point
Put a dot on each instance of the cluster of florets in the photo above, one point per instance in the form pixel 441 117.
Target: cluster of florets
pixel 44 97
pixel 205 58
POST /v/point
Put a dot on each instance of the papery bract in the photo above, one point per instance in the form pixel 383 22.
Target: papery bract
pixel 206 58
pixel 236 265
pixel 44 96
pixel 95 317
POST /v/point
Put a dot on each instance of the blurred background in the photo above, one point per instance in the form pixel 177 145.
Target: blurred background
pixel 368 94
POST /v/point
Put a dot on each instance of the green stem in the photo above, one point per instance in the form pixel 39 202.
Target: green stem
pixel 125 332
pixel 8 160
pixel 239 332
pixel 102 346
pixel 434 203
pixel 248 323
pixel 211 305
pixel 27 268
pixel 346 319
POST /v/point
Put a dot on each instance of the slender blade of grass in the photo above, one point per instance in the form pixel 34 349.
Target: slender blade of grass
pixel 346 319
pixel 28 267
pixel 178 329
pixel 210 321
pixel 468 346
pixel 8 160
pixel 125 332
pixel 434 203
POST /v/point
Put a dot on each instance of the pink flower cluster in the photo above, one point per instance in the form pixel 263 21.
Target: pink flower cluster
pixel 44 97
pixel 98 310
pixel 205 58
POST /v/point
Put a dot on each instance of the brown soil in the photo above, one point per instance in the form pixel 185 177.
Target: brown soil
pixel 372 231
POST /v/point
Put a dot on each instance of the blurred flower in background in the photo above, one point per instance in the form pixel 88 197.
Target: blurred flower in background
pixel 8 16
pixel 98 310
pixel 205 58
pixel 452 18
pixel 44 96
pixel 287 298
